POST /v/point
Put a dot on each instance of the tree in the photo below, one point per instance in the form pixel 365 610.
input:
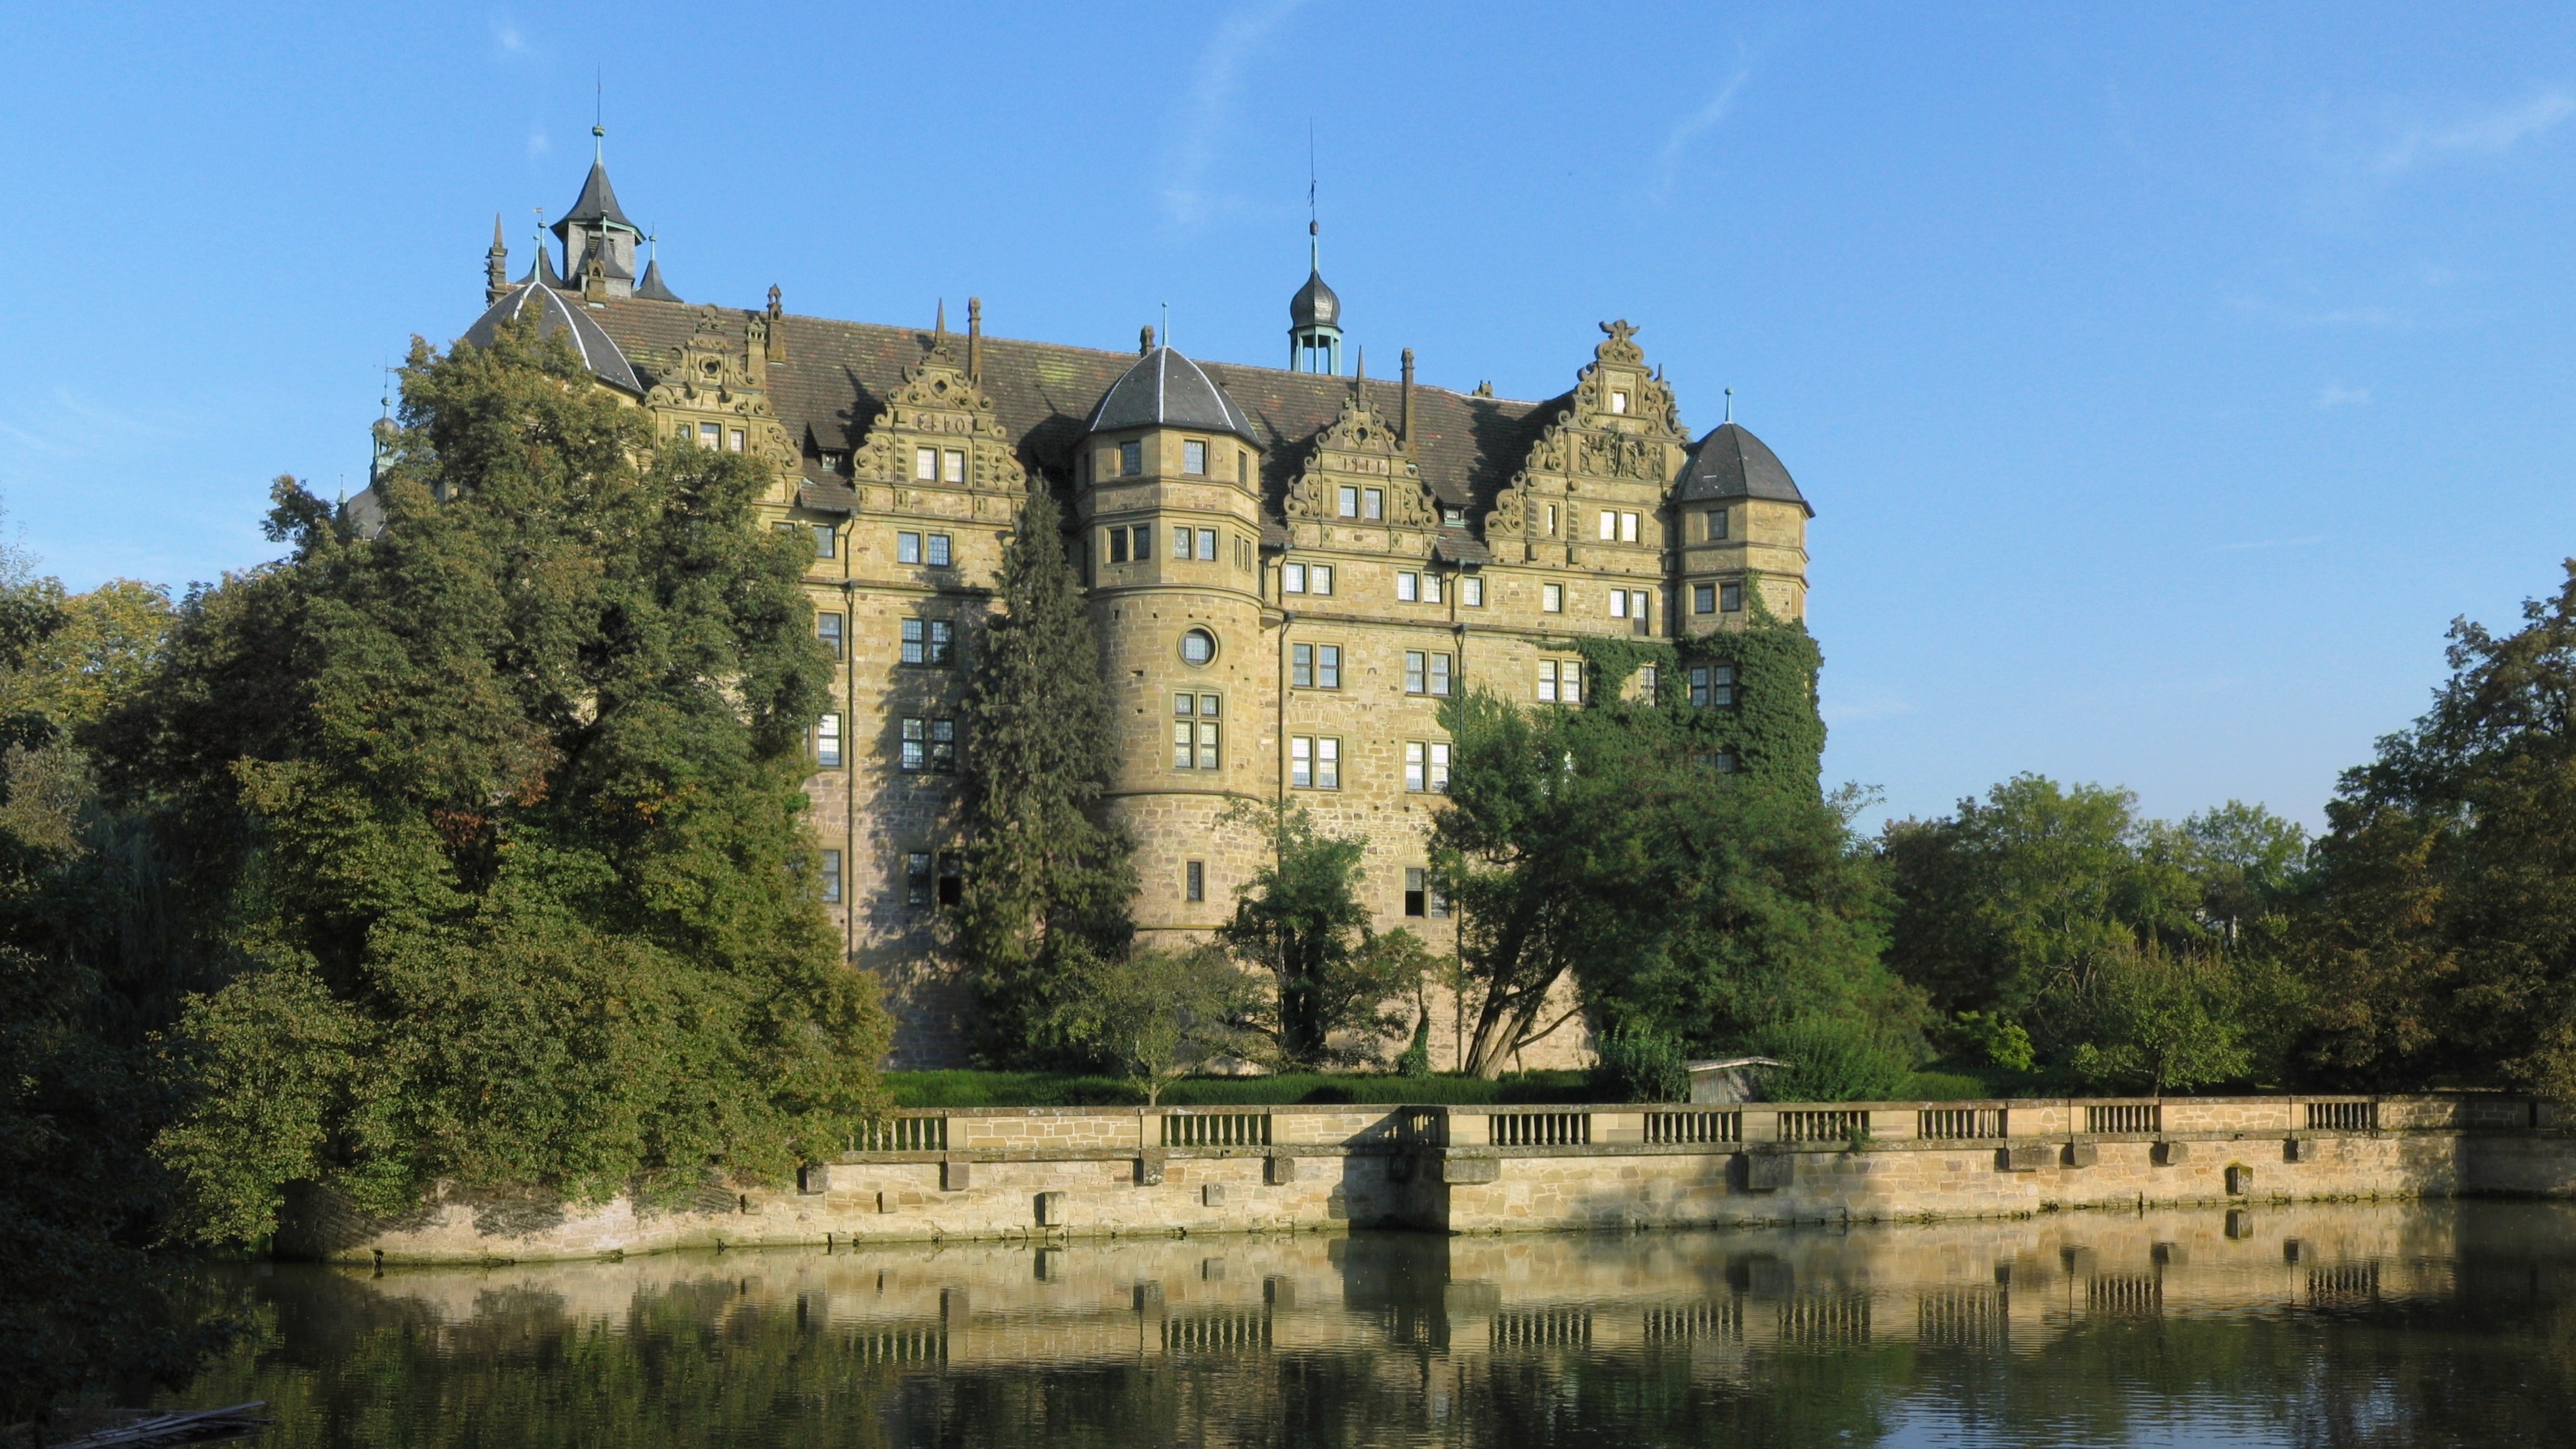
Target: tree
pixel 1300 919
pixel 498 821
pixel 2439 933
pixel 1678 858
pixel 1159 1015
pixel 1047 881
pixel 2159 1022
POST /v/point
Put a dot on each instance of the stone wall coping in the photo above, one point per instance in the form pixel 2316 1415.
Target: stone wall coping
pixel 1489 1109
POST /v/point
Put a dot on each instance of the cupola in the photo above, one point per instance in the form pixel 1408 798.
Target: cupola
pixel 1314 318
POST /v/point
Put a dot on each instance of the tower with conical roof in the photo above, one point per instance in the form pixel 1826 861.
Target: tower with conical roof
pixel 1314 317
pixel 1742 532
pixel 598 239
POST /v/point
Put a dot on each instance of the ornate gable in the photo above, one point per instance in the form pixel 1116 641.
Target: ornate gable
pixel 939 407
pixel 1620 441
pixel 720 375
pixel 1361 449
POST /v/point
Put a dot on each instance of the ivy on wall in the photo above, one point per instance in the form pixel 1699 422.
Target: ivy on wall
pixel 1772 730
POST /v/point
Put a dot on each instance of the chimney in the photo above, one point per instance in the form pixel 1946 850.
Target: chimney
pixel 1404 417
pixel 974 339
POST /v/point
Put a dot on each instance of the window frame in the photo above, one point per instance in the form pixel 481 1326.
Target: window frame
pixel 828 626
pixel 1551 598
pixel 1471 591
pixel 952 465
pixel 1193 881
pixel 939 550
pixel 925 464
pixel 1194 457
pixel 1292 578
pixel 1131 459
pixel 1207 545
pixel 907 547
pixel 829 747
pixel 1730 598
pixel 829 866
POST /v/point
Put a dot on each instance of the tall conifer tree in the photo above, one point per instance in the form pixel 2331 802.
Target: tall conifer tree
pixel 1047 882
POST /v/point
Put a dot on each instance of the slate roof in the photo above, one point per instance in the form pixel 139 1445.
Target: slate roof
pixel 1315 305
pixel 827 495
pixel 1732 463
pixel 652 286
pixel 604 357
pixel 1165 389
pixel 598 202
pixel 836 377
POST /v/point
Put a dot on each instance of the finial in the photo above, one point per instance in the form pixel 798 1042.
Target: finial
pixel 942 325
pixel 599 115
pixel 1730 405
pixel 496 233
pixel 775 308
pixel 1359 373
pixel 1144 340
pixel 974 339
pixel 1167 324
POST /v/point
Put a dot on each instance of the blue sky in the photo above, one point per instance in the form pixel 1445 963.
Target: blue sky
pixel 2165 379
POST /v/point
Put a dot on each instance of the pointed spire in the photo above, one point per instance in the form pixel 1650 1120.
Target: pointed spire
pixel 496 265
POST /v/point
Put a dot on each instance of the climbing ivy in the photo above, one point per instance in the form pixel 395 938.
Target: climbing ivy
pixel 1771 730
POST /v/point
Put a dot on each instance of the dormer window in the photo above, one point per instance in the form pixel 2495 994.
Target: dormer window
pixel 1194 458
pixel 1131 459
pixel 831 462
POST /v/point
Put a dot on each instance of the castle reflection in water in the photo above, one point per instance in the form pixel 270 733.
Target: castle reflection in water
pixel 2287 1317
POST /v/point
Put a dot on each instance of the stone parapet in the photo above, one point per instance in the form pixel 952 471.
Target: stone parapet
pixel 1046 1172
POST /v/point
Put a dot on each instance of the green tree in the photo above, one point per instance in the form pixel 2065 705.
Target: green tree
pixel 1159 1015
pixel 2439 935
pixel 2157 1022
pixel 499 817
pixel 1047 881
pixel 1678 858
pixel 1300 919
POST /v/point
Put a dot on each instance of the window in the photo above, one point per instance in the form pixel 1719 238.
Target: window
pixel 1440 675
pixel 1314 762
pixel 831 462
pixel 1207 545
pixel 952 878
pixel 1408 587
pixel 1243 469
pixel 827 627
pixel 1609 526
pixel 1117 545
pixel 1730 598
pixel 1198 646
pixel 956 469
pixel 1618 603
pixel 1560 681
pixel 1646 683
pixel 1618 402
pixel 1551 598
pixel 1196 742
pixel 1131 459
pixel 925 465
pixel 1194 880
pixel 1180 541
pixel 1723 762
pixel 1194 458
pixel 1551 520
pixel 824 540
pixel 1717 525
pixel 1315 666
pixel 1640 608
pixel 1416 675
pixel 1243 554
pixel 1703 598
pixel 1431 588
pixel 1426 766
pixel 1143 538
pixel 1421 897
pixel 939 555
pixel 709 435
pixel 1471 592
pixel 1292 578
pixel 1373 503
pixel 930 744
pixel 1712 686
pixel 926 641
pixel 831 877
pixel 916 878
pixel 1627 528
pixel 1348 500
pixel 907 548
pixel 827 742
pixel 1319 578
pixel 733 440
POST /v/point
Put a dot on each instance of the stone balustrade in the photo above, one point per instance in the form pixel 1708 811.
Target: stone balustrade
pixel 1004 1172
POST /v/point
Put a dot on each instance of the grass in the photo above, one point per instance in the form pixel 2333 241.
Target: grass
pixel 1061 1089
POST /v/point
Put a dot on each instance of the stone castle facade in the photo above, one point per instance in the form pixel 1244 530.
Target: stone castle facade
pixel 1289 569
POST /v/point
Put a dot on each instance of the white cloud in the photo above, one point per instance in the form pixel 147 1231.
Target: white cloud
pixel 2335 395
pixel 1693 126
pixel 1207 115
pixel 2491 134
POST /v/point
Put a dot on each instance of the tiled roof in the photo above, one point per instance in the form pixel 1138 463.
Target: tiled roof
pixel 836 376
pixel 827 496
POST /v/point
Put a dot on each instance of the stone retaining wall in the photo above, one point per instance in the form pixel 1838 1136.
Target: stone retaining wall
pixel 1047 1172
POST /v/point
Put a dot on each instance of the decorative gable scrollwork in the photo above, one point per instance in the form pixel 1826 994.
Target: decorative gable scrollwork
pixel 716 377
pixel 1619 440
pixel 941 407
pixel 1362 449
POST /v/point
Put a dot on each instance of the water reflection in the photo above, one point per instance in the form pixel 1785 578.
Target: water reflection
pixel 2417 1324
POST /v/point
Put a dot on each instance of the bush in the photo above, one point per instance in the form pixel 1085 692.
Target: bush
pixel 1640 1064
pixel 1832 1060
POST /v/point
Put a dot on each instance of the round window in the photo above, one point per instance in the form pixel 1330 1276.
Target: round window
pixel 1198 647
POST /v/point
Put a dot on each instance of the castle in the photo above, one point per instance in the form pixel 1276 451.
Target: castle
pixel 1289 568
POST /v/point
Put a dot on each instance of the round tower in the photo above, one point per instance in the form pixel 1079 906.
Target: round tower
pixel 1167 494
pixel 1743 530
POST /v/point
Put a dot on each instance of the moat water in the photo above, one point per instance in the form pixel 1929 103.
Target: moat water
pixel 2344 1325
